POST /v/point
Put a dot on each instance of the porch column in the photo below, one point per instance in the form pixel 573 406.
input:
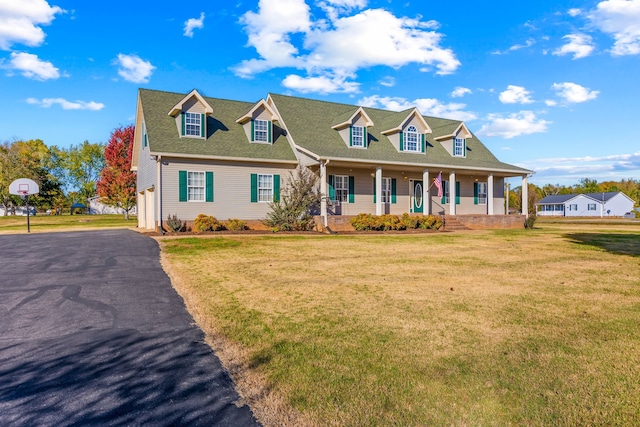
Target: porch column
pixel 490 194
pixel 323 192
pixel 525 197
pixel 378 190
pixel 426 200
pixel 452 193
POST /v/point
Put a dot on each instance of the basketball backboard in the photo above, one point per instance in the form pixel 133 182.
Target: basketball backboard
pixel 23 187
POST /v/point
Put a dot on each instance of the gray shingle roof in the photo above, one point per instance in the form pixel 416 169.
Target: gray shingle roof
pixel 225 137
pixel 309 122
pixel 312 131
pixel 556 199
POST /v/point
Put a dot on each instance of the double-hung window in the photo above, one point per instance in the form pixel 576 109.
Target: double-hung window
pixel 458 147
pixel 591 207
pixel 357 136
pixel 265 188
pixel 195 186
pixel 341 186
pixel 261 130
pixel 412 139
pixel 482 193
pixel 386 190
pixel 192 124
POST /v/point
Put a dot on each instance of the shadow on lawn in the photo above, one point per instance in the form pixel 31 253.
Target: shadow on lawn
pixel 626 244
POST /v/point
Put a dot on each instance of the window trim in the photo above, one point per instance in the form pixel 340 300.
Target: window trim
pixel 462 147
pixel 190 186
pixel 360 138
pixel 590 205
pixel 190 125
pixel 270 188
pixel 341 192
pixel 482 197
pixel 412 131
pixel 255 131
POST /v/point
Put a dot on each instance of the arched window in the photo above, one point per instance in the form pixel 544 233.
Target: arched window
pixel 411 140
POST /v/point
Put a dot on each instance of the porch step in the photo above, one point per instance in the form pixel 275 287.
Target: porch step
pixel 452 224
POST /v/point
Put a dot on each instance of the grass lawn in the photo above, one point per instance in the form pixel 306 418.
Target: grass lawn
pixel 46 223
pixel 498 327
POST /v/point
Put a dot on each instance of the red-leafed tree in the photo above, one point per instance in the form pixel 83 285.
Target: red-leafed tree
pixel 117 184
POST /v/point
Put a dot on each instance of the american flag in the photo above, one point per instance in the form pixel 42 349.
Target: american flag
pixel 438 183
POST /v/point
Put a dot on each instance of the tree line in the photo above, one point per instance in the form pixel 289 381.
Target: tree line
pixel 629 186
pixel 70 175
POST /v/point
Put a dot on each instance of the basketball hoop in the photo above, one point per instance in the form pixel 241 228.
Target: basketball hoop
pixel 23 187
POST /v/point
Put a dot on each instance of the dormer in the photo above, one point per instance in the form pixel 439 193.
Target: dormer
pixel 191 115
pixel 409 135
pixel 352 128
pixel 456 142
pixel 258 123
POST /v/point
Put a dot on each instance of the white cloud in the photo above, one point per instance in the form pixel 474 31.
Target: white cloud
pixel 133 68
pixel 574 12
pixel 20 21
pixel 573 93
pixel 285 34
pixel 530 42
pixel 460 91
pixel 193 23
pixel 512 125
pixel 67 105
pixel 515 95
pixel 620 19
pixel 550 103
pixel 388 81
pixel 32 67
pixel 426 106
pixel 320 84
pixel 580 45
pixel 614 167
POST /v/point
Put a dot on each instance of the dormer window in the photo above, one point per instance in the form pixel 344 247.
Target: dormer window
pixel 459 146
pixel 411 138
pixel 261 131
pixel 192 124
pixel 358 136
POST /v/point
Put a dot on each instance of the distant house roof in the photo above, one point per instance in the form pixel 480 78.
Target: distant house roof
pixel 558 199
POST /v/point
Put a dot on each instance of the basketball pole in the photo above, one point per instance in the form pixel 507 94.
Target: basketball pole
pixel 26 198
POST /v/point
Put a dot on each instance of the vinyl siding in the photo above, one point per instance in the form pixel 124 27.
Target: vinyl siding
pixel 232 189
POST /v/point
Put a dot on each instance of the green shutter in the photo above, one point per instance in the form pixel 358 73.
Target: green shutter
pixel 374 190
pixel 393 190
pixel 332 190
pixel 254 187
pixel 464 148
pixel 252 131
pixel 365 136
pixel 182 183
pixel 445 186
pixel 209 187
pixel 401 141
pixel 457 192
pixel 270 131
pixel 423 138
pixel 203 122
pixel 350 136
pixel 276 188
pixel 352 188
pixel 146 139
pixel 183 125
pixel 475 193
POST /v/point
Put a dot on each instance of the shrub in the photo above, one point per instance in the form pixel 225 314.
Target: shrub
pixel 528 223
pixel 293 211
pixel 204 223
pixel 236 225
pixel 368 222
pixel 174 224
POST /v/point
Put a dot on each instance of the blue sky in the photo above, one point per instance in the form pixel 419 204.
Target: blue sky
pixel 549 86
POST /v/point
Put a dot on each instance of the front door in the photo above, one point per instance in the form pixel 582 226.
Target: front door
pixel 418 203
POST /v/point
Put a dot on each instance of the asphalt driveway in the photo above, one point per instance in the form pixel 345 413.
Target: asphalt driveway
pixel 92 333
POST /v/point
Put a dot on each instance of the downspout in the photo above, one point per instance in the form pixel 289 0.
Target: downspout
pixel 159 179
pixel 324 191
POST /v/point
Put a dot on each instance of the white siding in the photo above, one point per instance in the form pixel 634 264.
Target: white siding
pixel 232 189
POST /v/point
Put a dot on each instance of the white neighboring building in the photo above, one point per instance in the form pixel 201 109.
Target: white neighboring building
pixel 96 207
pixel 611 204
